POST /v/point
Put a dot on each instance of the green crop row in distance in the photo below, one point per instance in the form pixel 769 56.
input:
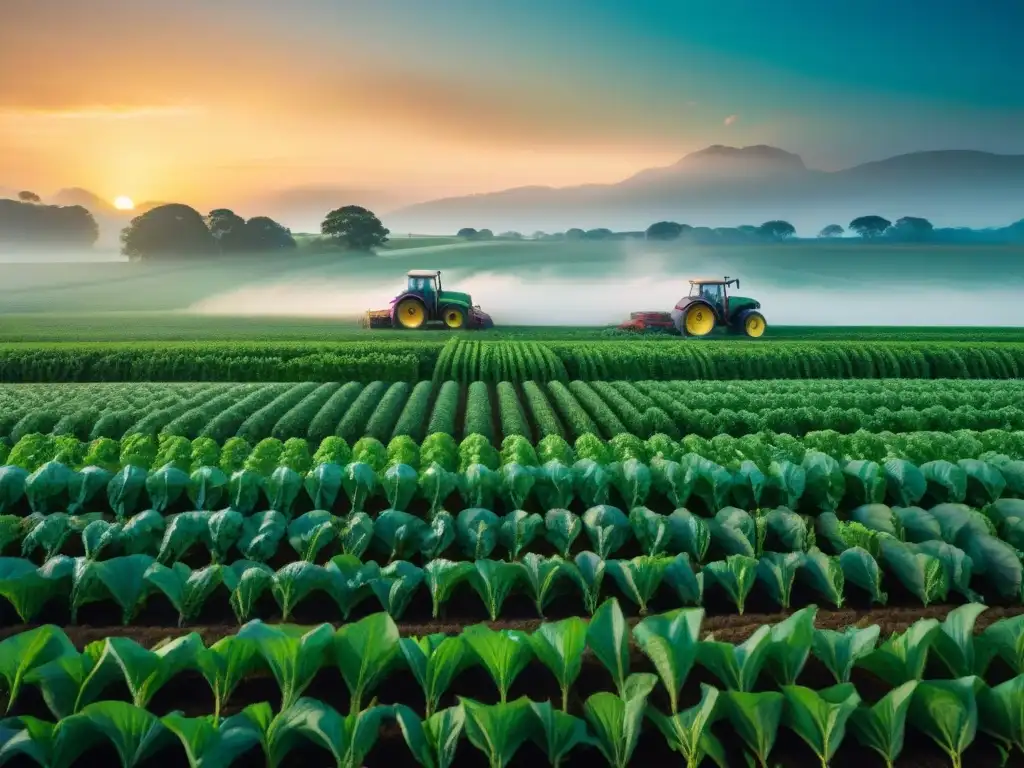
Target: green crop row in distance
pixel 929 554
pixel 492 361
pixel 950 709
pixel 383 411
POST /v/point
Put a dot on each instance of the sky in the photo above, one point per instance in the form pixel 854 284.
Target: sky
pixel 210 102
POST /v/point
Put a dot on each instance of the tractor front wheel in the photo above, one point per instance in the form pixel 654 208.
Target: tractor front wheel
pixel 454 318
pixel 754 325
pixel 699 320
pixel 411 314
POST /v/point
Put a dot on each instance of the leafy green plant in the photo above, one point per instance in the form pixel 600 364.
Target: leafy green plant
pixel 639 578
pixel 557 732
pixel 432 741
pixel 293 654
pixel 365 652
pixel 903 656
pixel 25 651
pixel 756 718
pixel 840 651
pixel 498 730
pixel 559 646
pixel 503 653
pixel 882 726
pixel 689 731
pixel 735 575
pixel 441 577
pixel 819 717
pixel 737 666
pixel 435 660
pixel 616 720
pixel 670 641
pixel 947 711
pixel 791 641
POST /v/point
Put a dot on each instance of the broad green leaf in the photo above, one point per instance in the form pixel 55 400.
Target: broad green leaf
pixel 25 651
pixel 1005 638
pixel 293 654
pixel 839 651
pixel 261 534
pixel 364 652
pixel 607 528
pixel 559 646
pixel 557 732
pixel 54 746
pixel 435 660
pixel 294 582
pixel 923 575
pixel 777 570
pixel 608 638
pixel 498 730
pixel 562 528
pixel 71 681
pixel 504 653
pixel 434 741
pixel 756 718
pixel 947 711
pixel 650 530
pixel 589 574
pixel 247 581
pixel 882 727
pixel 690 534
pixel 1001 711
pixel 224 664
pixel 399 534
pixel 819 717
pixel 639 578
pixel 735 575
pixel 348 739
pixel 396 585
pixel 791 641
pixel 544 576
pixel 135 733
pixel 688 585
pixel 670 641
pixel 28 588
pixel 953 644
pixel 689 731
pixel 442 576
pixel 185 589
pixel 208 746
pixel 122 578
pixel 824 575
pixel 517 531
pixel 311 532
pixel 223 531
pixel 146 671
pixel 861 569
pixel 737 666
pixel 349 581
pixel 476 531
pixel 903 656
pixel 494 580
pixel 616 724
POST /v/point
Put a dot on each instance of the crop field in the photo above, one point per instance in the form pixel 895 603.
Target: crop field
pixel 516 548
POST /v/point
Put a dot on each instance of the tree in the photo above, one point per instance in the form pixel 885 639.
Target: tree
pixel 228 229
pixel 832 230
pixel 28 197
pixel 168 232
pixel 28 224
pixel 664 230
pixel 539 235
pixel 870 226
pixel 262 233
pixel 354 227
pixel 574 234
pixel 777 230
pixel 912 228
pixel 598 234
pixel 511 235
pixel 484 234
pixel 467 232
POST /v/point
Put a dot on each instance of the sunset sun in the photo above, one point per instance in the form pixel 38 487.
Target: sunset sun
pixel 123 203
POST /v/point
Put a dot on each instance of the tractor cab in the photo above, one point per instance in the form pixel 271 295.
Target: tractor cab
pixel 714 291
pixel 425 283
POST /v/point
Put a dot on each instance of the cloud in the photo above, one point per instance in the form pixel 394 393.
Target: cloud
pixel 731 119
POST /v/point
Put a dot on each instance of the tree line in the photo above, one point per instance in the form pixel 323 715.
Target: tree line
pixel 875 228
pixel 25 222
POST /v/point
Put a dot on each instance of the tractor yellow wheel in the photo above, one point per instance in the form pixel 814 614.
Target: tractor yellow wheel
pixel 410 314
pixel 700 320
pixel 454 317
pixel 754 325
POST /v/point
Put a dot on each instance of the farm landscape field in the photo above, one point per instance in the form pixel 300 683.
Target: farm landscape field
pixel 250 541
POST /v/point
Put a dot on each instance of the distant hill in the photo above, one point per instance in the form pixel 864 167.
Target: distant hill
pixel 729 186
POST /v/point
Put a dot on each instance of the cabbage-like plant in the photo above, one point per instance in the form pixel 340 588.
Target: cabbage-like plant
pixel 498 730
pixel 493 581
pixel 544 577
pixel 293 654
pixel 670 641
pixel 441 577
pixel 557 732
pixel 559 646
pixel 947 711
pixel 756 718
pixel 21 653
pixel 503 653
pixel 688 732
pixel 882 726
pixel 840 651
pixel 365 652
pixel 616 720
pixel 435 660
pixel 737 666
pixel 433 741
pixel 735 575
pixel 820 717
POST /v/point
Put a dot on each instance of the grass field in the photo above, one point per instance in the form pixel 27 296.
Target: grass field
pixel 509 548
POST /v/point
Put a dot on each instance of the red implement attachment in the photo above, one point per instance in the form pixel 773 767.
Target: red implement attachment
pixel 648 321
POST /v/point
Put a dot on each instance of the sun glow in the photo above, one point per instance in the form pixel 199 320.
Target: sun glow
pixel 123 203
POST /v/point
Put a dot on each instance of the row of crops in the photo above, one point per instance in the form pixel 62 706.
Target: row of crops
pixel 384 410
pixel 821 472
pixel 569 689
pixel 771 558
pixel 405 359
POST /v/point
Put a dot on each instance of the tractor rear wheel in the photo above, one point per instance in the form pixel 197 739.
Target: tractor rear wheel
pixel 699 320
pixel 454 318
pixel 754 325
pixel 411 314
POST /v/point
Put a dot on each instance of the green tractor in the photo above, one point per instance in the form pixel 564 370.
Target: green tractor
pixel 424 302
pixel 707 306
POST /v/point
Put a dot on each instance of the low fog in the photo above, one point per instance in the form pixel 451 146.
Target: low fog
pixel 646 281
